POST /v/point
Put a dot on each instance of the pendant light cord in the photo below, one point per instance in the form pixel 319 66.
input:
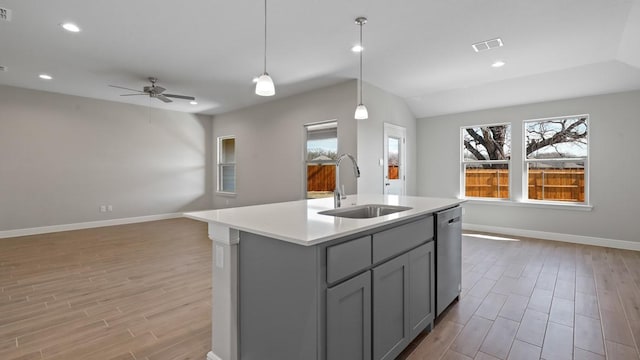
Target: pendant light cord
pixel 361 51
pixel 265 36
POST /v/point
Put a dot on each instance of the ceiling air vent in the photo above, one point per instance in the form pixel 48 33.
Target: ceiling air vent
pixel 487 44
pixel 5 14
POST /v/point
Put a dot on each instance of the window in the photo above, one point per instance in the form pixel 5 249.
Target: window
pixel 486 154
pixel 556 157
pixel 393 160
pixel 321 154
pixel 227 164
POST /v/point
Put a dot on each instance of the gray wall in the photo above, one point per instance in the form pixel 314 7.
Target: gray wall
pixel 383 108
pixel 614 187
pixel 62 156
pixel 270 143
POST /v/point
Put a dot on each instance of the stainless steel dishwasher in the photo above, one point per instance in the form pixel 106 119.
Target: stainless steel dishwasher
pixel 448 257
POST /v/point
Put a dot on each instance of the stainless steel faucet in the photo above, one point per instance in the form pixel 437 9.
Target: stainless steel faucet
pixel 337 193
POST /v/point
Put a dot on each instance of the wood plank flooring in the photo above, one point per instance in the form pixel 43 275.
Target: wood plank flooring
pixel 143 291
pixel 140 291
pixel 535 299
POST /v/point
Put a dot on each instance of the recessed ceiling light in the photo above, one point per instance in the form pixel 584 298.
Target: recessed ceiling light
pixel 357 48
pixel 193 102
pixel 71 27
pixel 45 77
pixel 498 64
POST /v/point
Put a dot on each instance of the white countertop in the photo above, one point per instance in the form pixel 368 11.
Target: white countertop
pixel 299 222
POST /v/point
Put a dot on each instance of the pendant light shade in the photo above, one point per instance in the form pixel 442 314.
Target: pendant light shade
pixel 361 110
pixel 265 86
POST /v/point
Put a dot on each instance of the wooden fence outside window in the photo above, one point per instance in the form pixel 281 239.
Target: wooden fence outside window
pixel 544 184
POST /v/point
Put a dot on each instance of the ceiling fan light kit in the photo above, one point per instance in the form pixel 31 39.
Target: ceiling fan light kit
pixel 361 110
pixel 264 85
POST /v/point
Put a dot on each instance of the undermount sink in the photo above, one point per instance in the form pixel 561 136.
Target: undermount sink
pixel 365 211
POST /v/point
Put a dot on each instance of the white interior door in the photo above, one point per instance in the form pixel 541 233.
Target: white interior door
pixel 394 159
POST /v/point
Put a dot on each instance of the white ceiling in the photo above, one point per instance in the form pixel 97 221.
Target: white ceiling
pixel 417 49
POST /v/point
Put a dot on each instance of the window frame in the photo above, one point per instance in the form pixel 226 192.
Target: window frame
pixel 526 162
pixel 306 155
pixel 221 164
pixel 463 163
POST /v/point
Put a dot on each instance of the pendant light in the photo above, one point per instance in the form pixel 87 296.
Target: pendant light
pixel 361 110
pixel 264 85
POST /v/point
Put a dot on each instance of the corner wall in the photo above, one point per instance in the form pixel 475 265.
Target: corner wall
pixel 62 156
pixel 614 126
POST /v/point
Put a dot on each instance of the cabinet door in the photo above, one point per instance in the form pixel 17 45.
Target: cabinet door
pixel 349 319
pixel 391 303
pixel 421 288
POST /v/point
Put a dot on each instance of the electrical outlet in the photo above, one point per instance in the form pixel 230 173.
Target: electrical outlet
pixel 109 208
pixel 103 208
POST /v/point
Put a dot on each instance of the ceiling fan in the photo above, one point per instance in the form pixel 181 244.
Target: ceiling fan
pixel 155 91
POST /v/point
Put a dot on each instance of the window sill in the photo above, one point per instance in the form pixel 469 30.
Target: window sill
pixel 227 194
pixel 530 204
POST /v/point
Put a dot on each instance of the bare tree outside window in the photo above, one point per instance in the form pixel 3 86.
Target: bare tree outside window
pixel 556 138
pixel 486 154
pixel 556 157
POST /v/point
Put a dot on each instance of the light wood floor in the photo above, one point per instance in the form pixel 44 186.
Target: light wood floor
pixel 535 299
pixel 140 291
pixel 143 291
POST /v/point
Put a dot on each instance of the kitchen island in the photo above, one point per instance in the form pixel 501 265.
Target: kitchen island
pixel 292 283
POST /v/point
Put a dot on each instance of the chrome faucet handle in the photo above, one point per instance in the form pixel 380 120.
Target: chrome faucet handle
pixel 336 198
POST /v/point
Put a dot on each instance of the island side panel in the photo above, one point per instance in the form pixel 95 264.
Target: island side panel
pixel 224 299
pixel 279 299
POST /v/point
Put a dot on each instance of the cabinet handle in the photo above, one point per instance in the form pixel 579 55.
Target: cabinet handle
pixel 455 220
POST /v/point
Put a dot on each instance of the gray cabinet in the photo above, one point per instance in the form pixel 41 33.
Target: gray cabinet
pixel 403 300
pixel 421 288
pixel 349 319
pixel 391 302
pixel 348 258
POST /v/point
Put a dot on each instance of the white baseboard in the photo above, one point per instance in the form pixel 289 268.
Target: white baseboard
pixel 212 356
pixel 85 225
pixel 576 239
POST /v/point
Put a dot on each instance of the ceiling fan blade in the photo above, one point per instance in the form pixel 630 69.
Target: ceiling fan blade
pixel 120 87
pixel 163 98
pixel 132 94
pixel 185 97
